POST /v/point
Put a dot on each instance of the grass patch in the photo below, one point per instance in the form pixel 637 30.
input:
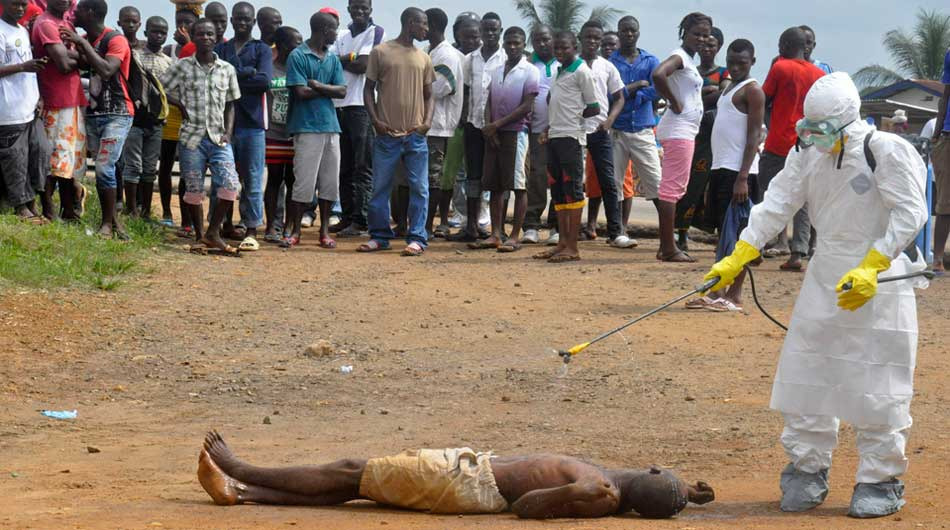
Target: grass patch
pixel 60 255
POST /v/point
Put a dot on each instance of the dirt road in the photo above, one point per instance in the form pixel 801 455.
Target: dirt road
pixel 447 350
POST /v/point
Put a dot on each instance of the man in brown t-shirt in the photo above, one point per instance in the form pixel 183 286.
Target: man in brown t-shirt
pixel 398 99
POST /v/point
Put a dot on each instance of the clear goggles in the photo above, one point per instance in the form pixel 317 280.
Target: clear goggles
pixel 823 133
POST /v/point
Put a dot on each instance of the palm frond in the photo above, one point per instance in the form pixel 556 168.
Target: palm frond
pixel 932 33
pixel 605 14
pixel 876 75
pixel 528 11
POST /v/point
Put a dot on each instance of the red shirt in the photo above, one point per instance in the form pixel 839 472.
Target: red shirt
pixel 119 48
pixel 787 83
pixel 190 49
pixel 59 91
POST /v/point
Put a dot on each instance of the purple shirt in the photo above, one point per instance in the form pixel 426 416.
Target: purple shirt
pixel 946 81
pixel 508 90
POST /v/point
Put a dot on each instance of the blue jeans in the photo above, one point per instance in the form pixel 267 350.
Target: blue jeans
pixel 105 138
pixel 413 150
pixel 194 162
pixel 248 145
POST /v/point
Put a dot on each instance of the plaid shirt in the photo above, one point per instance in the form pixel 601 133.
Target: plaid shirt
pixel 156 63
pixel 204 91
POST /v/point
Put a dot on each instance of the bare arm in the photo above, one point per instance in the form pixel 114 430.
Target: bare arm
pixel 31 66
pixel 661 80
pixel 942 110
pixel 587 499
pixel 60 56
pixel 173 100
pixel 591 110
pixel 356 66
pixel 755 100
pixel 616 107
pixel 105 67
pixel 316 89
pixel 228 121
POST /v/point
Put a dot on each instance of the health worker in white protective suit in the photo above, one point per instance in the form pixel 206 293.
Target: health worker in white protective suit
pixel 849 353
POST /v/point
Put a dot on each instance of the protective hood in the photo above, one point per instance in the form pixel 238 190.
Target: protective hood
pixel 833 97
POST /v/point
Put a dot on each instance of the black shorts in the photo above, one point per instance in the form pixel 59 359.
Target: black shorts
pixel 498 171
pixel 566 173
pixel 721 182
pixel 474 142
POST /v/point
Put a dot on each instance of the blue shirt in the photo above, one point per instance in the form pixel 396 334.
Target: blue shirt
pixel 255 66
pixel 825 67
pixel 315 115
pixel 946 80
pixel 637 113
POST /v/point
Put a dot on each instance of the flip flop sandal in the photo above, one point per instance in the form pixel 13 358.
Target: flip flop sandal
pixel 167 222
pixel 699 303
pixel 249 245
pixel 586 235
pixel 775 252
pixel 327 242
pixel 547 254
pixel 792 268
pixel 563 258
pixel 373 246
pixel 205 247
pixel 413 250
pixel 441 232
pixel 289 242
pixel 272 238
pixel 235 234
pixel 35 220
pixel 461 237
pixel 509 247
pixel 185 233
pixel 482 245
pixel 671 258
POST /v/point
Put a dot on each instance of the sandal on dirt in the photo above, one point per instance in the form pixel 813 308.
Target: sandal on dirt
pixel 272 238
pixel 509 246
pixel 289 242
pixel 792 267
pixel 413 249
pixel 699 303
pixel 723 306
pixel 249 245
pixel 35 220
pixel 185 232
pixel 775 252
pixel 564 258
pixel 373 245
pixel 482 245
pixel 211 248
pixel 587 235
pixel 441 231
pixel 327 242
pixel 678 257
pixel 234 234
pixel 546 254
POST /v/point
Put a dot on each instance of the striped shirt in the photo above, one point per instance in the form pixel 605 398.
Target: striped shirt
pixel 204 91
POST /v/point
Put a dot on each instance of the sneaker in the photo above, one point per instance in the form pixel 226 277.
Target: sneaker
pixel 530 237
pixel 306 221
pixel 553 239
pixel 623 242
pixel 457 220
pixel 334 219
pixel 352 231
pixel 484 220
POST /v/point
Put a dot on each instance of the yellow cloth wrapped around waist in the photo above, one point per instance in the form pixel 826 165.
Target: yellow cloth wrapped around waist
pixel 172 124
pixel 452 481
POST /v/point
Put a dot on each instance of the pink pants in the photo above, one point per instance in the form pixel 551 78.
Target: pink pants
pixel 677 162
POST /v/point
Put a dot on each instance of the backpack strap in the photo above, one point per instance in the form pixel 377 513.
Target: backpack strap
pixel 378 35
pixel 868 154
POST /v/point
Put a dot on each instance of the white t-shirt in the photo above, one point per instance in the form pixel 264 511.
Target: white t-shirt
pixel 572 91
pixel 360 44
pixel 687 85
pixel 547 72
pixel 478 76
pixel 928 130
pixel 19 93
pixel 607 81
pixel 447 90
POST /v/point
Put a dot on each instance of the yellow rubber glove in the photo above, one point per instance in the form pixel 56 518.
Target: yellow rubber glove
pixel 730 266
pixel 863 280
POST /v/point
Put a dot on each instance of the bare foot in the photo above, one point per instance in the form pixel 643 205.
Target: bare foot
pixel 105 231
pixel 701 493
pixel 550 253
pixel 222 488
pixel 213 240
pixel 219 451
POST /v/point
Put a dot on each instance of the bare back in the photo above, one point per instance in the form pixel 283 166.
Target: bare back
pixel 518 475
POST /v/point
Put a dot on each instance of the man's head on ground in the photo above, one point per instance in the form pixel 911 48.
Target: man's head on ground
pixel 184 19
pixel 514 44
pixel 791 45
pixel 740 57
pixel 713 45
pixel 13 10
pixel 468 36
pixel 130 20
pixel 694 31
pixel 542 41
pixel 268 20
pixel 156 32
pixel 91 14
pixel 565 47
pixel 218 15
pixel 438 21
pixel 628 29
pixel 656 494
pixel 360 11
pixel 414 23
pixel 810 41
pixel 323 27
pixel 490 29
pixel 287 39
pixel 592 34
pixel 609 44
pixel 204 35
pixel 242 20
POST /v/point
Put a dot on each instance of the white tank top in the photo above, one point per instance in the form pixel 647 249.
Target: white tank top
pixel 687 85
pixel 729 133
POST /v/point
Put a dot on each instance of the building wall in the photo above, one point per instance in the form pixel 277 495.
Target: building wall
pixel 918 98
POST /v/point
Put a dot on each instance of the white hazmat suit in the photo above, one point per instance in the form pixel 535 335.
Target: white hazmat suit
pixel 835 364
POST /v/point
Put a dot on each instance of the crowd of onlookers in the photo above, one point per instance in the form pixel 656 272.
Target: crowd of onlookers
pixel 365 134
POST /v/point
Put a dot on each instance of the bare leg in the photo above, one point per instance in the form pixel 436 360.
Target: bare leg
pixel 734 292
pixel 332 483
pixel 435 196
pixel 445 204
pixel 495 209
pixel 593 210
pixel 625 207
pixel 521 209
pixel 941 231
pixel 668 249
pixel 325 208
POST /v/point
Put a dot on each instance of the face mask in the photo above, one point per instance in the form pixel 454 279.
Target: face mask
pixel 823 134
